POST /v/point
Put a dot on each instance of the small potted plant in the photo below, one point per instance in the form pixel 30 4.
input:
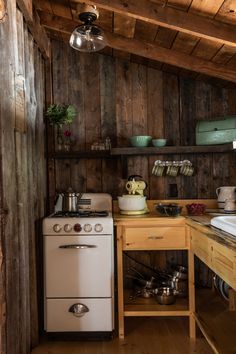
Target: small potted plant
pixel 59 115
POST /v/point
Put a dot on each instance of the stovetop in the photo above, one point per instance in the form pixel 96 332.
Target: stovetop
pixel 80 214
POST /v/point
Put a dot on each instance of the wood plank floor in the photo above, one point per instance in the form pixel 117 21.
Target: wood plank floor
pixel 156 335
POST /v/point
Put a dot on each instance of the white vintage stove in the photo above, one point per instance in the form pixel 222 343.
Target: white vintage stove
pixel 79 267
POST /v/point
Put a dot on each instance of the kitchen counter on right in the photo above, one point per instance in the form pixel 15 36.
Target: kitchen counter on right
pixel 215 316
pixel 202 224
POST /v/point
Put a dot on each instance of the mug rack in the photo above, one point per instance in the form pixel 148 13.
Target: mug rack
pixel 172 168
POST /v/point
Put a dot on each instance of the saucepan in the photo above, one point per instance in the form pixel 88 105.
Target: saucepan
pixel 165 295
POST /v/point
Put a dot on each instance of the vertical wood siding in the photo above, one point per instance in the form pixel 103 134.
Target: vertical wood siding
pixel 22 182
pixel 118 99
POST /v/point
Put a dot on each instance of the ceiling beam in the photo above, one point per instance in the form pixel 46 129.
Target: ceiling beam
pixel 146 50
pixel 169 17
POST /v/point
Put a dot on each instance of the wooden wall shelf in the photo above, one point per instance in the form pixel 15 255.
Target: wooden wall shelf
pixel 132 151
pixel 88 154
pixel 174 150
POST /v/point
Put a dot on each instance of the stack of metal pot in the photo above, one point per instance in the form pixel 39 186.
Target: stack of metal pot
pixel 179 281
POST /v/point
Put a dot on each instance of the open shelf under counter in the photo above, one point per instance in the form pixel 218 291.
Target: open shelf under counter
pixel 150 307
pixel 216 321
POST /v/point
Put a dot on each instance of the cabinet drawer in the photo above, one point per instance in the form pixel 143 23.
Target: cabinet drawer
pixel 224 263
pixel 153 238
pixel 201 247
pixel 99 317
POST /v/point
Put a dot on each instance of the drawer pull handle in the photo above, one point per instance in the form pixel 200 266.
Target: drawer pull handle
pixel 77 246
pixel 78 310
pixel 155 237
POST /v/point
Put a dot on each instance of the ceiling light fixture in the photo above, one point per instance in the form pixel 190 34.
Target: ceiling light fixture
pixel 88 37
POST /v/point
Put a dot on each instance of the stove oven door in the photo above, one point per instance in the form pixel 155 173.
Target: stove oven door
pixel 78 266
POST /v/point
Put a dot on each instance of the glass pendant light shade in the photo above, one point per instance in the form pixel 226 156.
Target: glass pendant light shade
pixel 88 38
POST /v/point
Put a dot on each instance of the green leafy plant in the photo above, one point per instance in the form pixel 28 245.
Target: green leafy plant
pixel 60 114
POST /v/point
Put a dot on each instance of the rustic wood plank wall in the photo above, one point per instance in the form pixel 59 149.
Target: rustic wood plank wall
pixel 118 99
pixel 22 181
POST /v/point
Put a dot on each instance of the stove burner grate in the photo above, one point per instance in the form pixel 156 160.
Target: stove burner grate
pixel 81 213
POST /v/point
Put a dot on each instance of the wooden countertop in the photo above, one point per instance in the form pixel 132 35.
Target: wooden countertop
pixel 201 223
pixel 150 219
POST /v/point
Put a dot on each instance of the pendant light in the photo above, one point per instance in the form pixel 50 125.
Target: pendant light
pixel 88 37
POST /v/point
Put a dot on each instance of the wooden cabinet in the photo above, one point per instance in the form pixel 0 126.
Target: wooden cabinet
pixel 201 246
pixel 154 238
pixel 152 233
pixel 215 317
pixel 218 257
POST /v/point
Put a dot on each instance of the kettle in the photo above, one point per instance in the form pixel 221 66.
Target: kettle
pixel 224 193
pixel 67 201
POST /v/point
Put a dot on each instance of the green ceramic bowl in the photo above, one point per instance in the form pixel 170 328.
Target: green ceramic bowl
pixel 158 142
pixel 140 140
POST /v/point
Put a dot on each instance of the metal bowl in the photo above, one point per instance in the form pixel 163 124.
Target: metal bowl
pixel 165 295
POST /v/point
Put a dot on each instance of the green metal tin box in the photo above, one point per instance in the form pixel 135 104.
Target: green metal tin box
pixel 219 131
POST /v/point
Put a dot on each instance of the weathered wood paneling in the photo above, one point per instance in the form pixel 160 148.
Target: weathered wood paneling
pixel 119 98
pixel 22 181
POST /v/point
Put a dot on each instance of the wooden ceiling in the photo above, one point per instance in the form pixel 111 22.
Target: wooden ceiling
pixel 193 36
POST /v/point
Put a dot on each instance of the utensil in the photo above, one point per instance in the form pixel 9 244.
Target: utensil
pixel 168 209
pixel 195 208
pixel 67 201
pixel 140 140
pixel 159 142
pixel 180 286
pixel 165 295
pixel 180 272
pixel 132 202
pixel 230 206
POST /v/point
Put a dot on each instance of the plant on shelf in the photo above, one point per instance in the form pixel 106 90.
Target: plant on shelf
pixel 59 115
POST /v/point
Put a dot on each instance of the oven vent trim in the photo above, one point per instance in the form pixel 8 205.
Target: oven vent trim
pixel 84 202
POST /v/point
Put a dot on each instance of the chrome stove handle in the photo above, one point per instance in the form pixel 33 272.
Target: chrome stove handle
pixel 77 246
pixel 78 310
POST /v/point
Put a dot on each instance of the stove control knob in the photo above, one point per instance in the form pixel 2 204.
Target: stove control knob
pixel 67 228
pixel 57 228
pixel 98 228
pixel 87 228
pixel 77 227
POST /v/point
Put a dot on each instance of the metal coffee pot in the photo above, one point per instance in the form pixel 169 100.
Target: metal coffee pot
pixel 68 201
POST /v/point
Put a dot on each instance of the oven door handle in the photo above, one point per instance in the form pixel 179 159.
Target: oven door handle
pixel 77 246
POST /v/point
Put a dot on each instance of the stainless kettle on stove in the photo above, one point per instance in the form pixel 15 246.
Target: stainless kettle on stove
pixel 68 201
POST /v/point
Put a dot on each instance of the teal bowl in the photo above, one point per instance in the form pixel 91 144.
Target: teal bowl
pixel 159 142
pixel 140 140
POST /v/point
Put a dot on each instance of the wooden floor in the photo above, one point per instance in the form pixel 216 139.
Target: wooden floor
pixel 156 335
